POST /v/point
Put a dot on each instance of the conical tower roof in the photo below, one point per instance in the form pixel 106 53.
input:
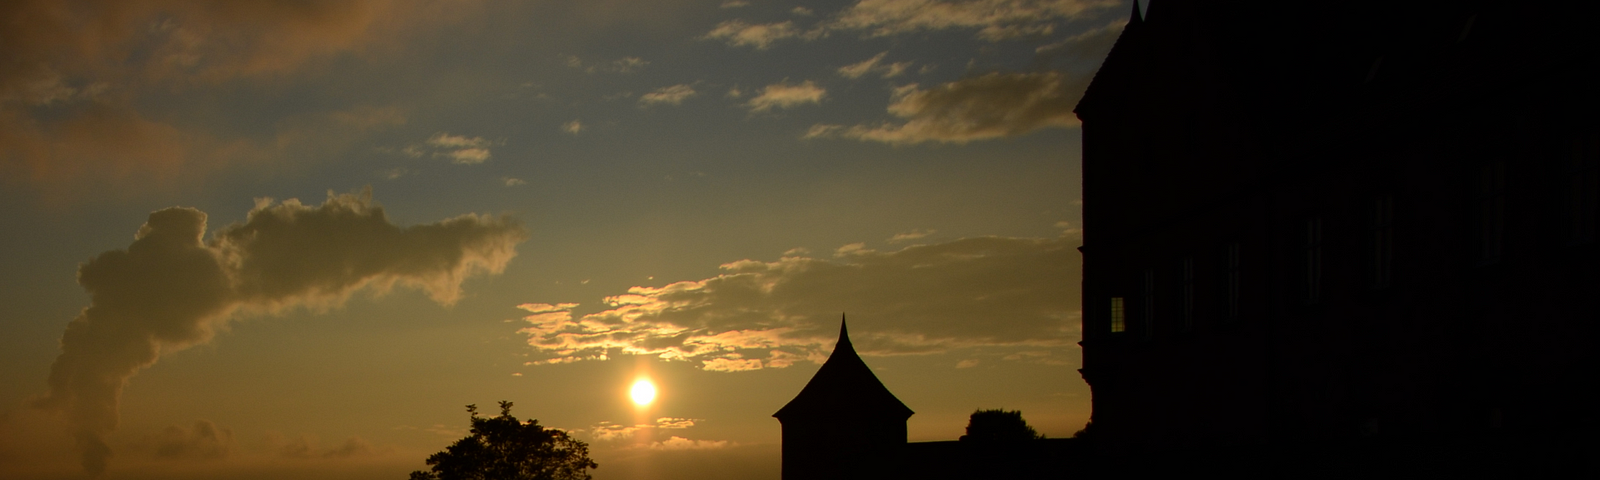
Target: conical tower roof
pixel 844 387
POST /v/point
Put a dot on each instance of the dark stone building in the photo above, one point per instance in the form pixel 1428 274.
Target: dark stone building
pixel 1344 238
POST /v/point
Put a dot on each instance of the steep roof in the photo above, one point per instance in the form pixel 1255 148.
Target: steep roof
pixel 844 387
pixel 1116 73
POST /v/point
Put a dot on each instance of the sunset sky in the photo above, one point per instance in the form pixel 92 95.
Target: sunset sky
pixel 295 239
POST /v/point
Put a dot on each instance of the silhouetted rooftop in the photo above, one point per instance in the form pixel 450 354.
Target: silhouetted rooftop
pixel 844 386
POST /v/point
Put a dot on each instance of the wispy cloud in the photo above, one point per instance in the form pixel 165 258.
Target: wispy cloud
pixel 919 299
pixel 738 33
pixel 785 96
pixel 916 234
pixel 891 70
pixel 573 127
pixel 460 149
pixel 673 95
pixel 620 65
pixel 735 4
pixel 993 19
pixel 608 431
pixel 990 106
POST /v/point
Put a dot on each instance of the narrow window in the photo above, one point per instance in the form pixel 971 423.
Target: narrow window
pixel 1583 183
pixel 1188 294
pixel 1382 240
pixel 1491 211
pixel 1119 316
pixel 1149 303
pixel 1233 281
pixel 1312 253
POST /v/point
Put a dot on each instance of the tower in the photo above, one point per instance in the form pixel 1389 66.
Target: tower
pixel 844 423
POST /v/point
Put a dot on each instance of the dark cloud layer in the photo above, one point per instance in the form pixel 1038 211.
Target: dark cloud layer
pixel 974 292
pixel 171 289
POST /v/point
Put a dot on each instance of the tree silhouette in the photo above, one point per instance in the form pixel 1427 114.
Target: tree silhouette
pixel 996 426
pixel 500 448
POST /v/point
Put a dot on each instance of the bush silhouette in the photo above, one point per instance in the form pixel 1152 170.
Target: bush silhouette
pixel 997 426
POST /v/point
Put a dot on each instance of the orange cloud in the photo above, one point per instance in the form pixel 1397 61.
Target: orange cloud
pixel 989 292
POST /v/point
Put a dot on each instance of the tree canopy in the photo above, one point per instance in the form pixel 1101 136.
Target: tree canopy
pixel 998 426
pixel 501 448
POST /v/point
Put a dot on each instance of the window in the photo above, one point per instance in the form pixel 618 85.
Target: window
pixel 1583 182
pixel 1491 211
pixel 1382 240
pixel 1188 294
pixel 1119 316
pixel 1149 303
pixel 1233 281
pixel 1311 252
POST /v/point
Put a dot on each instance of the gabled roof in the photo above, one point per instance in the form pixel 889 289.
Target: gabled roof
pixel 844 387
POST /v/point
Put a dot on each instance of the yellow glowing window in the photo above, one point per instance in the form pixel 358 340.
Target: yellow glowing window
pixel 1119 315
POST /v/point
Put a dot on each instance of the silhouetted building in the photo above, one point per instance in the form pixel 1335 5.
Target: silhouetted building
pixel 846 425
pixel 1343 237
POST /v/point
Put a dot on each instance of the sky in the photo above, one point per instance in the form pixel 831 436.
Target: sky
pixel 284 238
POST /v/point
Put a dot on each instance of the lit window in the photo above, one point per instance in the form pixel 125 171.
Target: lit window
pixel 1119 316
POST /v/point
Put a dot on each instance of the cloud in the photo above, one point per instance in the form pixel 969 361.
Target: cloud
pixel 735 4
pixel 994 20
pixel 680 443
pixel 785 96
pixel 673 95
pixel 915 234
pixel 801 11
pixel 968 363
pixel 512 182
pixel 573 127
pixel 305 446
pixel 856 70
pixel 204 441
pixel 621 65
pixel 460 149
pixel 737 33
pixel 172 289
pixel 608 431
pixel 991 292
pixel 76 76
pixel 979 108
pixel 1087 48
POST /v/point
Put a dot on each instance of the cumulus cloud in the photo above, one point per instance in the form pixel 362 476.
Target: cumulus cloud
pixel 673 95
pixel 979 108
pixel 990 292
pixel 738 33
pixel 75 72
pixel 785 96
pixel 172 288
pixel 993 19
pixel 573 127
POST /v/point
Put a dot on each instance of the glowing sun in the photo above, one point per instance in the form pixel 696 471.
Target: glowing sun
pixel 643 392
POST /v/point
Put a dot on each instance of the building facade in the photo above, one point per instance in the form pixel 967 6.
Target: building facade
pixel 1363 231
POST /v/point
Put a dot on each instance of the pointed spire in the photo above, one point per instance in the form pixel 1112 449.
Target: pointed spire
pixel 1135 19
pixel 844 334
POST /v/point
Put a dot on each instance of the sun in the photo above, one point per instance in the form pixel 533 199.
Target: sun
pixel 643 392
